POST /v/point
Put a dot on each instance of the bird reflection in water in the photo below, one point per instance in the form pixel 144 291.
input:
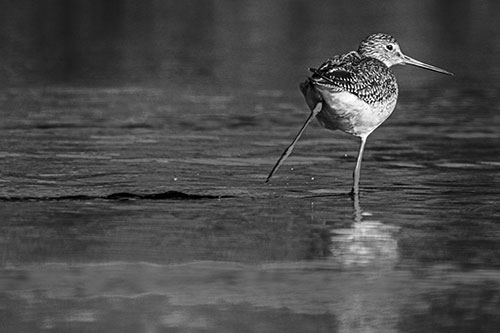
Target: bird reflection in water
pixel 367 242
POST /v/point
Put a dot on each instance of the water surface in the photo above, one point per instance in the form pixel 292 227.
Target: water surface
pixel 134 146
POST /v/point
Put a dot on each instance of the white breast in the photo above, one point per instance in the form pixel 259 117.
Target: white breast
pixel 348 113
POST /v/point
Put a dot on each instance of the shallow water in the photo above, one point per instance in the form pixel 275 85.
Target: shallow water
pixel 132 195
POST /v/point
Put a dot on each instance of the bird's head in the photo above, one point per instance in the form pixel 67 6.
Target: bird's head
pixel 385 48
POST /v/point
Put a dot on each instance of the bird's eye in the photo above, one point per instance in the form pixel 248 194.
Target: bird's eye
pixel 389 47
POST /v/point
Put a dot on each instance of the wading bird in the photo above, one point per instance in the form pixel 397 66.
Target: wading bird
pixel 355 92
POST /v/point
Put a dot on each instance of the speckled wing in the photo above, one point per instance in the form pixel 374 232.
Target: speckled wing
pixel 367 78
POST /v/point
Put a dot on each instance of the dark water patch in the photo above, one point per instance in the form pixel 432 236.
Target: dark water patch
pixel 76 125
pixel 330 195
pixel 463 307
pixel 169 195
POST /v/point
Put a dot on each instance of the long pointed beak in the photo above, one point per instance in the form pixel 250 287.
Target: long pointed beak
pixel 410 61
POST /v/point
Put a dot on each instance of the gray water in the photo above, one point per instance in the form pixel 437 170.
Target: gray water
pixel 134 144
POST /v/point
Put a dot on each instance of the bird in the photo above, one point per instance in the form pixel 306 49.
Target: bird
pixel 355 92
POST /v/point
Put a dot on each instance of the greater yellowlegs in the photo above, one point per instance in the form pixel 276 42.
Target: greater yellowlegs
pixel 355 92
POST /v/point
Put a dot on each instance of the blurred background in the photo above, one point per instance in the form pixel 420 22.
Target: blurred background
pixel 234 43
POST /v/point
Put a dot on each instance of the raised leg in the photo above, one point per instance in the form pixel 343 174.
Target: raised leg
pixel 357 169
pixel 289 149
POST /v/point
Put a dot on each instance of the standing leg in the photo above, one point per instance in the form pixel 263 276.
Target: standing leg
pixel 357 169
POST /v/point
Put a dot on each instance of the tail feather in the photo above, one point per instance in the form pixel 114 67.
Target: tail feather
pixel 311 94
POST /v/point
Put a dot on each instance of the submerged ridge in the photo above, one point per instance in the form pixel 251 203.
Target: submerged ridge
pixel 169 195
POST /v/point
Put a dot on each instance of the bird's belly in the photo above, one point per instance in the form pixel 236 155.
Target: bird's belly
pixel 346 112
